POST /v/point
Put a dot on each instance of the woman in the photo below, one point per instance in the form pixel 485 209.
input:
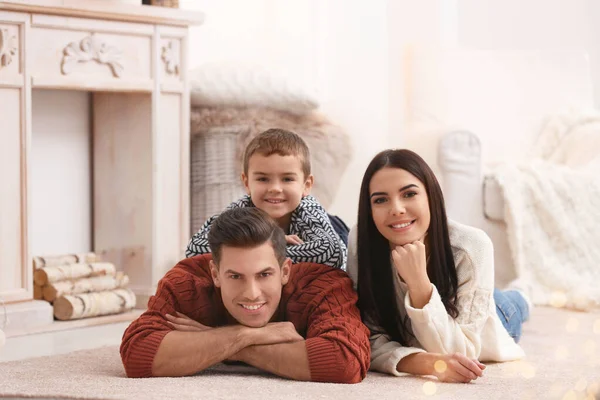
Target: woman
pixel 426 284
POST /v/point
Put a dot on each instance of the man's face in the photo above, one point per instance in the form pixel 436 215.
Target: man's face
pixel 251 280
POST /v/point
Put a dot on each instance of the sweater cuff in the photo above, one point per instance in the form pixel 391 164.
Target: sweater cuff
pixel 391 364
pixel 322 360
pixel 429 311
pixel 140 360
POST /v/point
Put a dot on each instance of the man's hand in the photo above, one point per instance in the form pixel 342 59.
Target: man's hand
pixel 183 323
pixel 275 332
pixel 457 368
pixel 293 239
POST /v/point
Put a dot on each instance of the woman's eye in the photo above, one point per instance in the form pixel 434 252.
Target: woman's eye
pixel 379 200
pixel 410 194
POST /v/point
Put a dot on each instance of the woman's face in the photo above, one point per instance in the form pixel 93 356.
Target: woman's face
pixel 399 206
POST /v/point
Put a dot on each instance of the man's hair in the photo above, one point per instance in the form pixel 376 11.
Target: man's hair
pixel 281 142
pixel 246 227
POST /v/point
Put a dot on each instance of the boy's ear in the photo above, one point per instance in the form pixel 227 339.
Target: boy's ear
pixel 245 182
pixel 308 184
pixel 214 272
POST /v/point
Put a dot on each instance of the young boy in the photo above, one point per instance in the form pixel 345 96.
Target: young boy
pixel 278 180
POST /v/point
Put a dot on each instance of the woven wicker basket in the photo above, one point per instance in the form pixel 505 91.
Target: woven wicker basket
pixel 215 173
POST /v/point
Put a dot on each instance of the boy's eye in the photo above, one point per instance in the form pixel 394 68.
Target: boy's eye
pixel 379 200
pixel 288 179
pixel 261 179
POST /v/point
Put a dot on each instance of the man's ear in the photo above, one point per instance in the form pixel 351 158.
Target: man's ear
pixel 245 182
pixel 308 184
pixel 214 272
pixel 286 269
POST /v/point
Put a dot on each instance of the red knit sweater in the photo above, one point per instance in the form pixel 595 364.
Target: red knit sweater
pixel 318 300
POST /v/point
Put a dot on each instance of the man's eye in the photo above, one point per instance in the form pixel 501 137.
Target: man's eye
pixel 266 274
pixel 234 276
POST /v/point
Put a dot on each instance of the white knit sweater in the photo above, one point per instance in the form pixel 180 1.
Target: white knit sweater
pixel 477 331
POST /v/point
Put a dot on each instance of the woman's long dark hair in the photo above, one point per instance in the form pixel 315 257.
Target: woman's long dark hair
pixel 376 291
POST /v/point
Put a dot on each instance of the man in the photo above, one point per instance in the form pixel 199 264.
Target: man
pixel 249 303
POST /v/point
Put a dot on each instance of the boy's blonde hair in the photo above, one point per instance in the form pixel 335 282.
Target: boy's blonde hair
pixel 281 142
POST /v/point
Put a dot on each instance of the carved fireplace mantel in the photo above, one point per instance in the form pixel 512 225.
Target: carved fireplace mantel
pixel 133 59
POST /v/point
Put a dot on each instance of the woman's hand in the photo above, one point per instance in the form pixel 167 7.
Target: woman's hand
pixel 457 368
pixel 411 264
pixel 183 323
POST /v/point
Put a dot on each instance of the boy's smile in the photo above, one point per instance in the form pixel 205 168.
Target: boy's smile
pixel 276 185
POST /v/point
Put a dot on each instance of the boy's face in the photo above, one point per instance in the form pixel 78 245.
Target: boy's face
pixel 251 281
pixel 276 184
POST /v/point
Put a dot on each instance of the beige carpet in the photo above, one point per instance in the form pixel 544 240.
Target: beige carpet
pixel 563 363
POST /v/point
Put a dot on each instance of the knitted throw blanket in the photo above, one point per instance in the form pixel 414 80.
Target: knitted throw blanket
pixel 552 213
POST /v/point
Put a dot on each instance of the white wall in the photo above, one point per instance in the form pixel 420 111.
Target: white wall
pixel 61 173
pixel 352 53
pixel 533 25
pixel 337 49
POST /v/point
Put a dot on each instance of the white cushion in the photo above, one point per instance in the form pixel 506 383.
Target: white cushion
pixel 238 85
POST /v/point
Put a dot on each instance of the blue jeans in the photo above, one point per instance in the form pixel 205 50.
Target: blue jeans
pixel 513 310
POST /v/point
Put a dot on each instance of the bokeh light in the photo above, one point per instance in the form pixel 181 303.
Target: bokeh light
pixel 440 366
pixel 527 370
pixel 561 353
pixel 429 388
pixel 558 299
pixel 597 327
pixel 570 395
pixel 572 325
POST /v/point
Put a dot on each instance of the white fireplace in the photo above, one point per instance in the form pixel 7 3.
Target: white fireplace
pixel 124 67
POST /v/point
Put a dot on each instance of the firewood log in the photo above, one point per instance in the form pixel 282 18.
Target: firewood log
pixel 64 259
pixel 85 285
pixel 38 292
pixel 85 305
pixel 47 275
